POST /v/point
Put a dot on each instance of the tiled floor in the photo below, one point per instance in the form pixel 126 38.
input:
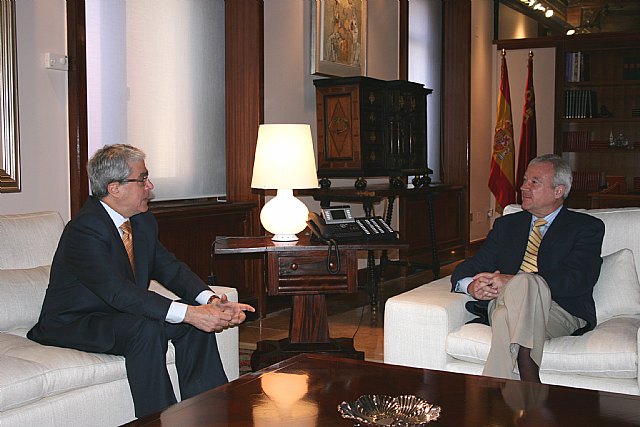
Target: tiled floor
pixel 349 316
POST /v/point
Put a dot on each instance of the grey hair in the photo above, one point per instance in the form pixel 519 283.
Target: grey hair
pixel 562 171
pixel 111 164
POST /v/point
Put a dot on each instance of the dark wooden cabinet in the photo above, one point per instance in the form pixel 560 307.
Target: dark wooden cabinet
pixel 598 113
pixel 414 223
pixel 370 128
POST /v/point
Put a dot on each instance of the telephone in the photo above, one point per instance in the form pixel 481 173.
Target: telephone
pixel 337 223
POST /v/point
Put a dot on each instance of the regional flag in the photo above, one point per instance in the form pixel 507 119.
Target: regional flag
pixel 528 136
pixel 501 176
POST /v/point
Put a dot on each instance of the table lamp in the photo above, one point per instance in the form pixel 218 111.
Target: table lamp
pixel 284 161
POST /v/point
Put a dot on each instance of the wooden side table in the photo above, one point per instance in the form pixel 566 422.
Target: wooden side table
pixel 301 270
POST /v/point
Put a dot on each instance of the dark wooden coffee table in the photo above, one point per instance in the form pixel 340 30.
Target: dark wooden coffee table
pixel 306 390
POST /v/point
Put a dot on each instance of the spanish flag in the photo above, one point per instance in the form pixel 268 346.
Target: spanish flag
pixel 528 136
pixel 501 176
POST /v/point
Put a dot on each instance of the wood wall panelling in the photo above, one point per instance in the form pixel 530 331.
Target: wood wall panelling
pixel 77 98
pixel 244 104
pixel 244 93
pixel 448 202
pixel 403 66
pixel 456 99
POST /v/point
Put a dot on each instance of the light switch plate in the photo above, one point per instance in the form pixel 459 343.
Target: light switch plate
pixel 56 61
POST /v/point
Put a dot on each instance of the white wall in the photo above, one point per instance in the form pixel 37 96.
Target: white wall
pixel 482 115
pixel 41 27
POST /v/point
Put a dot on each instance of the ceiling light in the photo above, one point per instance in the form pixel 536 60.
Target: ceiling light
pixel 536 5
pixel 571 32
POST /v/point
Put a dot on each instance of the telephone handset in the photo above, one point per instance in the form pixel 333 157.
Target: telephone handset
pixel 338 224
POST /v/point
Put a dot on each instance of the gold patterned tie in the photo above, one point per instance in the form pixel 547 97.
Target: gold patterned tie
pixel 530 261
pixel 127 240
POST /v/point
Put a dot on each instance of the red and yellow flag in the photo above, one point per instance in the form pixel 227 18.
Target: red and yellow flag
pixel 528 136
pixel 501 176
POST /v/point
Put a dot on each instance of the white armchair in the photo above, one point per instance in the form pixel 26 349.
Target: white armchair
pixel 426 327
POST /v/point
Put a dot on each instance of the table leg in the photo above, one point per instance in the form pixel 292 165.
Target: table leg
pixel 308 333
pixel 384 258
pixel 435 264
pixel 309 322
pixel 371 264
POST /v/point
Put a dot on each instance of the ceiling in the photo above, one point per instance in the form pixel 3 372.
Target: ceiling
pixel 586 16
pixel 604 16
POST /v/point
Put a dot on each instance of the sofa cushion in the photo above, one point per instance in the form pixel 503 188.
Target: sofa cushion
pixel 30 371
pixel 34 238
pixel 617 291
pixel 610 350
pixel 470 343
pixel 22 296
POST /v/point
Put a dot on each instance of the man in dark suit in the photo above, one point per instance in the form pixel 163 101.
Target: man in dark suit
pixel 533 277
pixel 98 298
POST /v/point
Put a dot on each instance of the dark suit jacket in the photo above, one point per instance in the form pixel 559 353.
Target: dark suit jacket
pixel 91 277
pixel 568 259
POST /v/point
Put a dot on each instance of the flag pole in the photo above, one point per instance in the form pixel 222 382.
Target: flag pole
pixel 528 134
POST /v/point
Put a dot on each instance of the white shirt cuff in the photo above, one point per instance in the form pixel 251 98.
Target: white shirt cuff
pixel 463 285
pixel 177 310
pixel 176 313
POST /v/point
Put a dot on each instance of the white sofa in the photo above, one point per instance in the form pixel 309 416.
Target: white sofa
pixel 51 386
pixel 426 326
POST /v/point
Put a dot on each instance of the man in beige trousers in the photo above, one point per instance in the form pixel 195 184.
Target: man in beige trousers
pixel 533 277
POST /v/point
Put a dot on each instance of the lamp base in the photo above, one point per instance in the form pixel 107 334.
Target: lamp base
pixel 284 216
pixel 284 238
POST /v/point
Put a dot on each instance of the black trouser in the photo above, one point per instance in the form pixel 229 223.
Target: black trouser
pixel 144 343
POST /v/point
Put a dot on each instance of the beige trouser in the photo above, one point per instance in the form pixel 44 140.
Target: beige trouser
pixel 524 315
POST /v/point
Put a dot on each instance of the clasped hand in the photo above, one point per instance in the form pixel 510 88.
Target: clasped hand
pixel 217 316
pixel 487 286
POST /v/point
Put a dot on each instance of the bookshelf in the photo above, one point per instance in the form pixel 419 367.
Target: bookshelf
pixel 597 126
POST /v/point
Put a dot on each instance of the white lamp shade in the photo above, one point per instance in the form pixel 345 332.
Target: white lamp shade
pixel 284 157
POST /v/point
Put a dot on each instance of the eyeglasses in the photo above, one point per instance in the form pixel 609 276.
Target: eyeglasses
pixel 142 181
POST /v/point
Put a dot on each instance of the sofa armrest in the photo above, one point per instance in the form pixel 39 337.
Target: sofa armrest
pixel 228 340
pixel 417 322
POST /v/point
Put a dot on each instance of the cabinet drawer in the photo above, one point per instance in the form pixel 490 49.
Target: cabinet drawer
pixel 306 273
pixel 308 265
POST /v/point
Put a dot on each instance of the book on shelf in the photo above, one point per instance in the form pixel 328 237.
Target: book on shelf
pixel 586 181
pixel 580 104
pixel 577 140
pixel 576 67
pixel 631 68
pixel 601 144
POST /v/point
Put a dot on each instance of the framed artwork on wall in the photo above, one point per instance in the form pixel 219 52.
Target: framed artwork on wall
pixel 9 123
pixel 339 38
